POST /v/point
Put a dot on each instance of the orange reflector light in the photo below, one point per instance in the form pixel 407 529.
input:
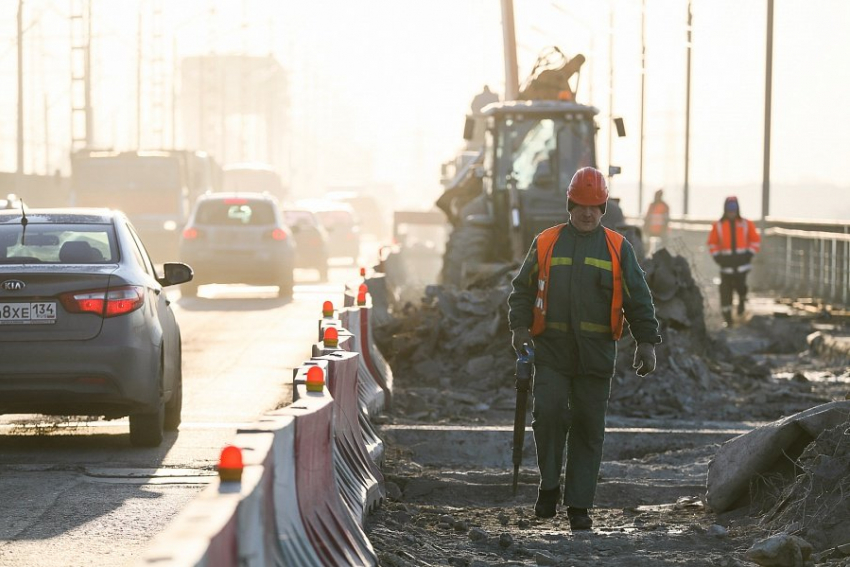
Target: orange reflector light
pixel 327 309
pixel 316 378
pixel 364 289
pixel 362 272
pixel 361 299
pixel 230 464
pixel 331 337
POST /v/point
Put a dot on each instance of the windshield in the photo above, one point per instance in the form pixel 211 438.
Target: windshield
pixel 526 147
pixel 58 244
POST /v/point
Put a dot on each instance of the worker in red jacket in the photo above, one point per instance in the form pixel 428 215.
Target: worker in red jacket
pixel 732 242
pixel 656 222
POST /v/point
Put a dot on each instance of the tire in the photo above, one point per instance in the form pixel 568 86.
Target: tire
pixel 174 407
pixel 323 271
pixel 468 244
pixel 147 429
pixel 189 289
pixel 285 284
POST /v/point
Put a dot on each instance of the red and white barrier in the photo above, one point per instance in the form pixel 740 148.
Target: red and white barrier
pixel 335 534
pixel 359 467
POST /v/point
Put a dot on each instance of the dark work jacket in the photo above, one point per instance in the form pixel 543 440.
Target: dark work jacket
pixel 579 305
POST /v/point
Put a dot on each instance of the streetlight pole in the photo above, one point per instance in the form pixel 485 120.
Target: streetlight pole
pixel 19 172
pixel 509 40
pixel 686 188
pixel 642 101
pixel 768 92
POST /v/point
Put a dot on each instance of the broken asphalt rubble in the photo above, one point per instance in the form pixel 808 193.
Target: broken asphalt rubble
pixel 453 361
pixel 454 350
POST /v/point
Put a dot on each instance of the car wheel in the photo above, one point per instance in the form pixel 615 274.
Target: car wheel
pixel 147 429
pixel 189 289
pixel 285 284
pixel 323 271
pixel 174 407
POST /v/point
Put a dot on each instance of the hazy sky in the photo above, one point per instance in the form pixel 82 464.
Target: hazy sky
pixel 379 88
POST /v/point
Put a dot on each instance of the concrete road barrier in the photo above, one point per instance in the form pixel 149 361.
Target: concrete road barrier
pixel 330 526
pixel 342 381
pixel 371 394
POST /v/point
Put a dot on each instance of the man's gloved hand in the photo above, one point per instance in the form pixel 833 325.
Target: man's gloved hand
pixel 644 359
pixel 520 336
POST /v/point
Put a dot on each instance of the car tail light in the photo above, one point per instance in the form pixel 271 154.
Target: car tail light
pixel 278 234
pixel 104 302
pixel 190 233
pixel 235 201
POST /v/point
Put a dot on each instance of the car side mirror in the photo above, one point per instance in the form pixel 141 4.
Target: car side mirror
pixel 621 127
pixel 176 273
pixel 469 128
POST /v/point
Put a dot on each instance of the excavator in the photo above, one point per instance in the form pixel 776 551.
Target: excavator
pixel 515 186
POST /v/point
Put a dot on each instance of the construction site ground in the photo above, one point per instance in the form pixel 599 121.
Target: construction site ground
pixel 454 505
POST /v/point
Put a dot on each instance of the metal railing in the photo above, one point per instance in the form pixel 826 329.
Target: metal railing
pixel 811 264
pixel 799 259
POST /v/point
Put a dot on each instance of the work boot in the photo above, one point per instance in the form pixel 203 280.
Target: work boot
pixel 727 317
pixel 741 306
pixel 547 502
pixel 579 519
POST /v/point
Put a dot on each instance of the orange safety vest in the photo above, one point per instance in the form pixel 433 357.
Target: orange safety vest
pixel 545 245
pixel 747 238
pixel 656 218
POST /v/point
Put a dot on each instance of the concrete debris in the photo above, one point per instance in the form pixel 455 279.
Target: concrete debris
pixel 459 341
pixel 814 503
pixel 781 550
pixel 766 449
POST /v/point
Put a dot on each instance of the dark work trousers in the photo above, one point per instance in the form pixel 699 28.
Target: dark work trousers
pixel 569 410
pixel 730 284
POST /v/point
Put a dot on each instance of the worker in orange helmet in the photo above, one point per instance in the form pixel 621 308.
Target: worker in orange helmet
pixel 568 302
pixel 656 223
pixel 732 242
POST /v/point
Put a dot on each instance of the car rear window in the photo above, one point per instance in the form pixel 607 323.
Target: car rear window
pixel 335 218
pixel 58 244
pixel 235 212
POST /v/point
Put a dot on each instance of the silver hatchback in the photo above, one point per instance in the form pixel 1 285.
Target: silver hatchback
pixel 238 238
pixel 85 325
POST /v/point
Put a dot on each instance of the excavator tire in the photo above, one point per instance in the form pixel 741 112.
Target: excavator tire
pixel 467 244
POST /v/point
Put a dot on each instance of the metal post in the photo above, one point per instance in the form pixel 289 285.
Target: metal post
pixel 642 101
pixel 139 83
pixel 686 188
pixel 768 88
pixel 19 172
pixel 509 40
pixel 610 84
pixel 833 268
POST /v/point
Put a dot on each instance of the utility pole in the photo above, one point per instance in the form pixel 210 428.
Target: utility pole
pixel 768 92
pixel 19 172
pixel 157 75
pixel 82 128
pixel 139 82
pixel 610 85
pixel 686 188
pixel 642 101
pixel 509 40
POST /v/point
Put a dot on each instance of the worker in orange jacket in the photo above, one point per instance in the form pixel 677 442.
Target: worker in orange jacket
pixel 656 223
pixel 732 242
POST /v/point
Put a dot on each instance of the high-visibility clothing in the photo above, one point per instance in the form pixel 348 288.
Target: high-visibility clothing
pixel 657 218
pixel 732 244
pixel 545 245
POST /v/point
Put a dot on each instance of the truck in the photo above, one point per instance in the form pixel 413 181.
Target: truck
pixel 155 189
pixel 515 185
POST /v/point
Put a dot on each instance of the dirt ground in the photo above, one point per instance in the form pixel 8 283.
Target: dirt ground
pixel 650 510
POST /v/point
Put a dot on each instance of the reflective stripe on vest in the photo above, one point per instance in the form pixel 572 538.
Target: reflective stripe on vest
pixel 545 245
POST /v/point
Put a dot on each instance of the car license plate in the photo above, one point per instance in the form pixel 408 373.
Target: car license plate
pixel 31 313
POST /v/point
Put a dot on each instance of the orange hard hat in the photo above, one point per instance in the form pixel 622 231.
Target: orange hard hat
pixel 588 187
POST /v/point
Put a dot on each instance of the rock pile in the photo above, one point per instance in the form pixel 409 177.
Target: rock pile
pixel 452 358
